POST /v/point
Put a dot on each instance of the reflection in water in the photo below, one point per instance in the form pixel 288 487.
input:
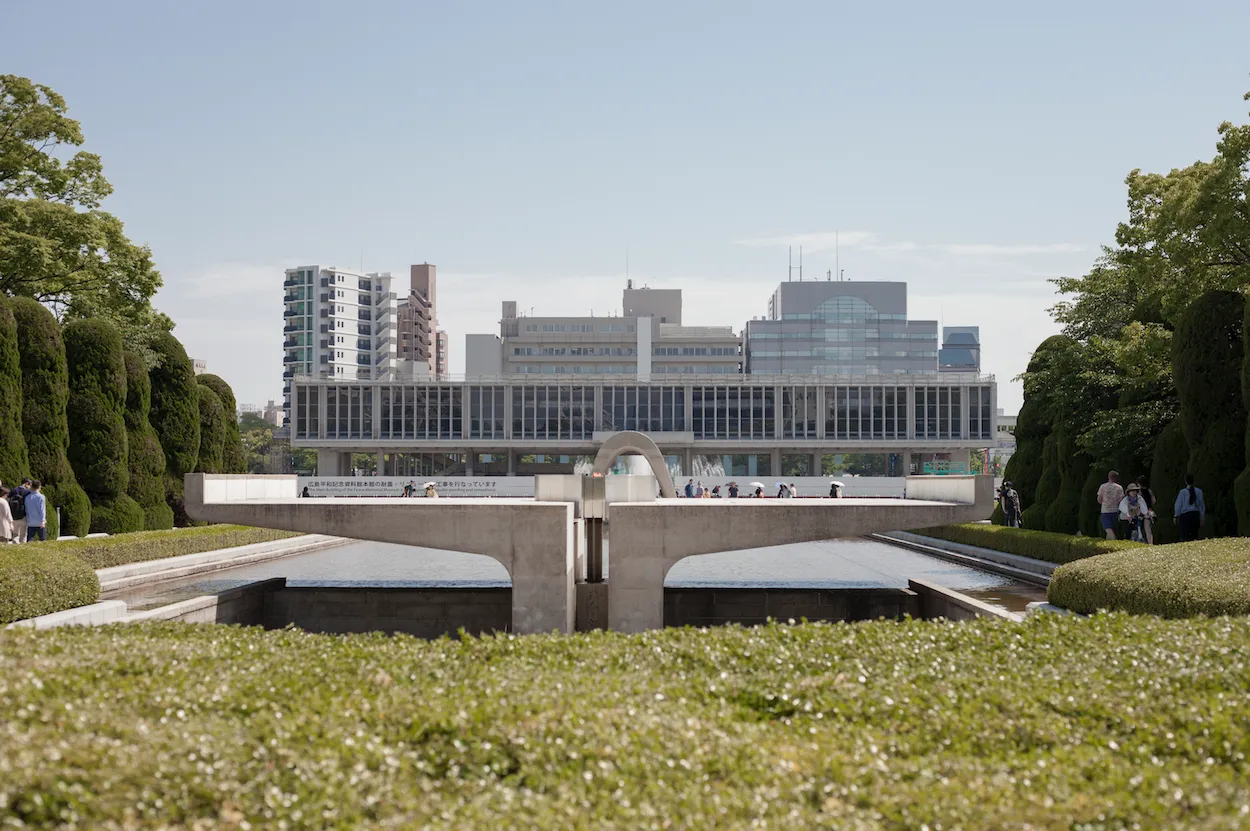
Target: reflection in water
pixel 852 563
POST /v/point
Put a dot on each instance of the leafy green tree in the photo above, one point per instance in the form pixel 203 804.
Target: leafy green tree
pixel 144 455
pixel 14 461
pixel 97 424
pixel 1207 364
pixel 233 459
pixel 175 415
pixel 45 394
pixel 213 430
pixel 56 245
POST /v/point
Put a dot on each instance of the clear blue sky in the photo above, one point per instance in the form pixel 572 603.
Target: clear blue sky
pixel 970 149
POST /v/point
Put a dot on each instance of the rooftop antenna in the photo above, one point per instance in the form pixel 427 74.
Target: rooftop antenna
pixel 829 275
pixel 837 256
pixel 628 284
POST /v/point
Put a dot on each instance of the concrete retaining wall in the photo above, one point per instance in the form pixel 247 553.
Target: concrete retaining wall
pixel 244 606
pixel 426 613
pixel 940 602
pixel 97 614
pixel 116 578
pixel 716 607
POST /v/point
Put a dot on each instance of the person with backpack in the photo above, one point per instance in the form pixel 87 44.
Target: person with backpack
pixel 1011 505
pixel 1190 511
pixel 36 513
pixel 17 507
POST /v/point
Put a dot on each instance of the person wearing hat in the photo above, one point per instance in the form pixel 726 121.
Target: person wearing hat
pixel 1010 501
pixel 1135 511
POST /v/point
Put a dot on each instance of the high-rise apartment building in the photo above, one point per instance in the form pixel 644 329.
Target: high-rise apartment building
pixel 420 339
pixel 648 340
pixel 840 328
pixel 338 323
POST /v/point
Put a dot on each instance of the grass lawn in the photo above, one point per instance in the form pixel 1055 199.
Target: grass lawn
pixel 141 546
pixel 1108 722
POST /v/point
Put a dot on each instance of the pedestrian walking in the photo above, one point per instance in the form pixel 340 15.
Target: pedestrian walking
pixel 690 489
pixel 36 513
pixel 1151 516
pixel 698 490
pixel 1010 501
pixel 1190 510
pixel 6 517
pixel 733 490
pixel 304 493
pixel 716 492
pixel 794 490
pixel 1109 495
pixel 17 506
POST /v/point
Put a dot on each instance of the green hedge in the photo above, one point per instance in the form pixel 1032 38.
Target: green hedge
pixel 45 395
pixel 213 430
pixel 175 416
pixel 233 457
pixel 1167 477
pixel 1208 577
pixel 143 449
pixel 97 423
pixel 14 462
pixel 39 578
pixel 1040 545
pixel 102 552
pixel 1108 722
pixel 1034 516
pixel 1206 363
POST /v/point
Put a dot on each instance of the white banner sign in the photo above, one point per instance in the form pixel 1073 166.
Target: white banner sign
pixel 394 485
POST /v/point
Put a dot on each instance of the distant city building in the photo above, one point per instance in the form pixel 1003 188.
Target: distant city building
pixel 961 349
pixel 840 328
pixel 1004 441
pixel 199 366
pixel 338 323
pixel 648 340
pixel 419 339
pixel 273 413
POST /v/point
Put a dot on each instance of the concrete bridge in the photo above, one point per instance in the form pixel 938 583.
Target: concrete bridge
pixel 539 540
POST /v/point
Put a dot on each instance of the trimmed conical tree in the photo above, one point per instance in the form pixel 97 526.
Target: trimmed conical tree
pixel 145 458
pixel 1034 516
pixel 97 423
pixel 1241 488
pixel 233 458
pixel 1167 477
pixel 175 416
pixel 1063 514
pixel 45 393
pixel 14 463
pixel 213 431
pixel 1207 365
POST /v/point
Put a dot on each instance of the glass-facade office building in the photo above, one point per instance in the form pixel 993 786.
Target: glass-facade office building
pixel 841 328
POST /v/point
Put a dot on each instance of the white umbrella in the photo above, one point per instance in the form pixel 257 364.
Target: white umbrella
pixel 839 484
pixel 755 485
pixel 428 485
